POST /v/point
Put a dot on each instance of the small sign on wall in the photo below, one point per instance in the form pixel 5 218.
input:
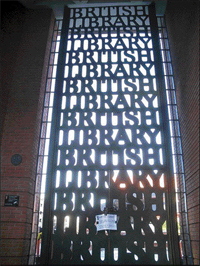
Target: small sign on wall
pixel 11 200
pixel 106 222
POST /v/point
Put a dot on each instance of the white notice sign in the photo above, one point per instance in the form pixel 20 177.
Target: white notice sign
pixel 106 222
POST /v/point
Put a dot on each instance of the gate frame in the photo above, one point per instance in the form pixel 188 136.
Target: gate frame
pixel 171 200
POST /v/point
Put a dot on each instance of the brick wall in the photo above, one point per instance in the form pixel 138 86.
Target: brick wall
pixel 182 19
pixel 26 51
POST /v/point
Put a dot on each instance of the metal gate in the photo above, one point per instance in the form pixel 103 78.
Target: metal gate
pixel 110 193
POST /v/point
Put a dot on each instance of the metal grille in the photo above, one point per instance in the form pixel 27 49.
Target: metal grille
pixel 43 151
pixel 178 165
pixel 109 151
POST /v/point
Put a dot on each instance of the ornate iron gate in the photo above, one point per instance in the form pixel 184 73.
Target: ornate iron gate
pixel 110 150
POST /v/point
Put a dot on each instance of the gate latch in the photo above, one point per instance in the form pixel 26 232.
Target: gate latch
pixel 109 210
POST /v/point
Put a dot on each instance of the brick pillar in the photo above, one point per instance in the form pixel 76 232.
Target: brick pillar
pixel 21 129
pixel 182 18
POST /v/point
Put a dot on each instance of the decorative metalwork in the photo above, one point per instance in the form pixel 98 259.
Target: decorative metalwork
pixel 109 150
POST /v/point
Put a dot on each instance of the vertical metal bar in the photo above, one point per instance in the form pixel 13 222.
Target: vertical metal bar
pixel 47 226
pixel 171 200
pixel 109 206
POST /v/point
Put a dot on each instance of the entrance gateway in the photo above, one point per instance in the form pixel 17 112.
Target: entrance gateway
pixel 109 192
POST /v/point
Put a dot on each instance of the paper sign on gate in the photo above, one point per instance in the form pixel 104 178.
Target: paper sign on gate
pixel 106 222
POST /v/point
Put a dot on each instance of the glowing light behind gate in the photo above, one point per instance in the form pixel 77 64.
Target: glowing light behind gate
pixel 104 122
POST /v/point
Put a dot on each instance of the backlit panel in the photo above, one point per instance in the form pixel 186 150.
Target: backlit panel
pixel 110 153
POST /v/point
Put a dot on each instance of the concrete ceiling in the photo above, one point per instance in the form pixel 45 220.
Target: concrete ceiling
pixel 58 5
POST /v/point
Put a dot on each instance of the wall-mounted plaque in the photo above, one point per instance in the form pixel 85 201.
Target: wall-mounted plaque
pixel 11 200
pixel 16 159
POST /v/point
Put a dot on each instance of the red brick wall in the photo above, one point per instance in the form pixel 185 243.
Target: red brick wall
pixel 182 19
pixel 20 132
